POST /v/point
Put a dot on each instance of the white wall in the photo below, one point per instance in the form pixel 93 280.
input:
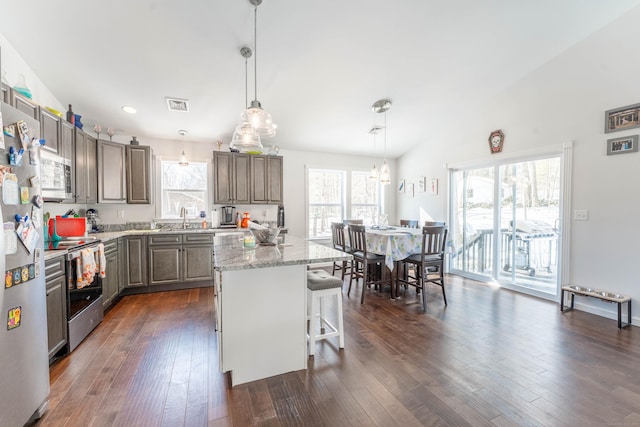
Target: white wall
pixel 563 101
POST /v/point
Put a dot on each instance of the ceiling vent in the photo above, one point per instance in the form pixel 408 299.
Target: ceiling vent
pixel 177 104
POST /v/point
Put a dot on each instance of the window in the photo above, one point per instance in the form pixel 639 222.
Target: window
pixel 332 199
pixel 326 201
pixel 183 186
pixel 365 197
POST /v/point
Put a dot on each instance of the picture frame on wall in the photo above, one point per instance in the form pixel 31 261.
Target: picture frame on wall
pixel 409 190
pixel 433 187
pixel 627 144
pixel 422 184
pixel 622 118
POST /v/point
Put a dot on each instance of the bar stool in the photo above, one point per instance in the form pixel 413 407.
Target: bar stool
pixel 321 284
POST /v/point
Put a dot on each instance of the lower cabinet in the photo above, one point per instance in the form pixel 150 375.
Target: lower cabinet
pixel 111 282
pixel 180 258
pixel 56 305
pixel 135 261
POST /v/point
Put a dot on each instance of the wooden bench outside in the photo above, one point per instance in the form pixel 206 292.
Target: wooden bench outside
pixel 602 295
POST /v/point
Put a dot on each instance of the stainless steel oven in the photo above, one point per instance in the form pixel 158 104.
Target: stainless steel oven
pixel 84 304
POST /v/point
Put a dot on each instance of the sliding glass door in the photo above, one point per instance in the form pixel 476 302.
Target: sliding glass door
pixel 505 224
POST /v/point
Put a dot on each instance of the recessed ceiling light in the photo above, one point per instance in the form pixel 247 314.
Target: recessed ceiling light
pixel 129 109
pixel 183 132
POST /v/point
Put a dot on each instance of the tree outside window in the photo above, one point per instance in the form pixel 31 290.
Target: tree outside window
pixel 183 186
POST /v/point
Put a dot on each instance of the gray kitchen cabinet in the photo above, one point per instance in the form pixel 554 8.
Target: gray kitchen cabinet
pixel 50 131
pixel 197 257
pixel 56 305
pixel 135 261
pixel 26 105
pixel 231 178
pixel 6 93
pixel 139 176
pixel 111 282
pixel 65 143
pixel 85 168
pixel 175 258
pixel 266 179
pixel 111 172
pixel 121 261
pixel 58 134
pixel 165 261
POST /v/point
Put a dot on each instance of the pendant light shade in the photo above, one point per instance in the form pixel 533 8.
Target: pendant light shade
pixel 183 160
pixel 382 106
pixel 385 174
pixel 255 114
pixel 259 119
pixel 246 139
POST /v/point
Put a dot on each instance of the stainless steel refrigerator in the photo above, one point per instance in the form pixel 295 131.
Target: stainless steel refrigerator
pixel 24 364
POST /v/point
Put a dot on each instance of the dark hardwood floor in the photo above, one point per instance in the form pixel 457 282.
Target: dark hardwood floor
pixel 492 357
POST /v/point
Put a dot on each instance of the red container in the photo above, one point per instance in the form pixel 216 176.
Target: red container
pixel 69 227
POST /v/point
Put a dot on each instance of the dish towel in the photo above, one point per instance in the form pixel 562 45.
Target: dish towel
pixel 102 262
pixel 85 268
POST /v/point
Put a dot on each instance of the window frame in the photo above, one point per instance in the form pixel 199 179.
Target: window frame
pixel 162 190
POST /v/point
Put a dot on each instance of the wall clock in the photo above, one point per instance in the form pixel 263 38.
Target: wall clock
pixel 496 139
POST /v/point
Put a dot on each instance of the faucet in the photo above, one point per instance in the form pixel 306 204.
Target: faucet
pixel 183 215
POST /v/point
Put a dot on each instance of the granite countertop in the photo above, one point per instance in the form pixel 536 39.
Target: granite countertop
pixel 229 254
pixel 111 235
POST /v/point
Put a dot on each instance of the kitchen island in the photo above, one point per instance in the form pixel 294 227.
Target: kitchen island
pixel 260 305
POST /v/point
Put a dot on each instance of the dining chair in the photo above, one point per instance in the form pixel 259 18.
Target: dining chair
pixel 434 224
pixel 429 262
pixel 362 259
pixel 409 223
pixel 339 243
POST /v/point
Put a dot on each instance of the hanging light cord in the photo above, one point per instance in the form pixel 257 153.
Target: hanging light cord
pixel 255 52
pixel 385 136
pixel 246 82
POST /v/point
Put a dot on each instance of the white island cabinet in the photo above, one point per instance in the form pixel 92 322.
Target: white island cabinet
pixel 260 305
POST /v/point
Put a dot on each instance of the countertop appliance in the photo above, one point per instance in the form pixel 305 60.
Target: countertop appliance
pixel 280 216
pixel 24 359
pixel 228 216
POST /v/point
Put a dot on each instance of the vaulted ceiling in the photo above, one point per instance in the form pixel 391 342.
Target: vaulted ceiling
pixel 321 65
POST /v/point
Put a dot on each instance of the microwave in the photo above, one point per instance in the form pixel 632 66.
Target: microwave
pixel 55 177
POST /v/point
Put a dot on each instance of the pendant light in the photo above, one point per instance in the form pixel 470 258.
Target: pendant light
pixel 382 106
pixel 245 138
pixel 255 114
pixel 183 158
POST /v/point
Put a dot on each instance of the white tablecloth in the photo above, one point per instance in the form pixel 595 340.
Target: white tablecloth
pixel 395 245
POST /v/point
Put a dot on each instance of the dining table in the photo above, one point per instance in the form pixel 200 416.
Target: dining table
pixel 396 244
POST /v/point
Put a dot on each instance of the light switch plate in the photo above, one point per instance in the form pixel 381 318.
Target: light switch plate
pixel 581 215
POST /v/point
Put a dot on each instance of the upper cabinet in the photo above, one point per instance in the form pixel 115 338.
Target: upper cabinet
pixel 231 178
pixel 111 172
pixel 85 168
pixel 139 176
pixel 6 93
pixel 266 179
pixel 244 178
pixel 24 104
pixel 58 134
